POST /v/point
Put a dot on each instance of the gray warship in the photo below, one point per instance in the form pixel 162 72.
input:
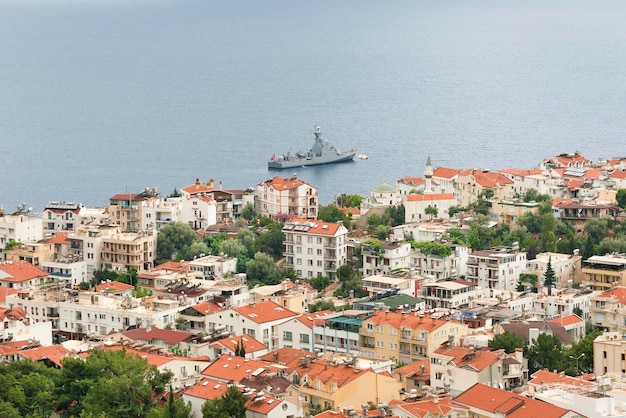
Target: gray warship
pixel 322 152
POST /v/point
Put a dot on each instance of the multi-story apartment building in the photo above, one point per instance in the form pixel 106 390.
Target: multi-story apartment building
pixel 473 183
pixel 496 269
pixel 338 332
pixel 126 250
pixel 212 267
pixel 159 212
pixel 407 336
pixel 603 272
pixel 608 309
pixel 85 245
pixel 21 275
pixel 314 248
pixel 566 267
pixel 279 197
pixel 445 179
pixel 21 228
pixel 409 185
pixel 259 320
pixel 609 354
pixel 125 209
pixel 453 294
pixel 390 257
pixel 228 203
pixel 509 211
pixel 61 216
pixel 383 286
pixel 433 265
pixel 562 302
pixel 35 253
pixel 298 332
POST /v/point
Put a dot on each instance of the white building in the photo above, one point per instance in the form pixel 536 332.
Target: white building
pixel 158 212
pixel 211 267
pixel 434 265
pixel 21 228
pixel 566 267
pixel 126 250
pixel 454 294
pixel 314 248
pixel 382 195
pixel 259 320
pixel 416 206
pixel 391 256
pixel 496 269
pixel 286 196
pixel 298 332
pixel 86 245
pixel 389 285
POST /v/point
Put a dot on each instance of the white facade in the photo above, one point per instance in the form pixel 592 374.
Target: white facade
pixel 452 294
pixel 71 272
pixel 394 256
pixel 496 269
pixel 292 197
pixel 61 217
pixel 432 265
pixel 211 267
pixel 20 228
pixel 566 267
pixel 159 212
pixel 199 211
pixel 314 248
pixel 416 205
pixel 294 333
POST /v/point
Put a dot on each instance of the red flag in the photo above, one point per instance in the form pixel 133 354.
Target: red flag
pixel 273 157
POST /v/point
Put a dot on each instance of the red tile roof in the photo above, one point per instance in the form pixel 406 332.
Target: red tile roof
pixel 617 292
pixel 53 353
pixel 521 173
pixel 289 357
pixel 207 389
pixel 507 404
pixel 490 179
pixel 429 197
pixel 414 370
pixel 128 196
pixel 113 287
pixel 235 368
pixel 280 183
pixel 414 181
pixel 314 227
pixel 172 265
pixel 262 312
pixel 14 314
pixel 618 174
pixel 398 319
pixel 445 173
pixel 321 369
pixel 568 320
pixel 59 238
pixel 463 358
pixel 441 408
pixel 551 378
pixel 249 344
pixel 262 404
pixel 4 292
pixel 20 271
pixel 311 319
pixel 206 308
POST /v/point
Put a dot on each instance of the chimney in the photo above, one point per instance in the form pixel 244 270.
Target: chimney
pixel 211 182
pixel 220 184
pixel 197 181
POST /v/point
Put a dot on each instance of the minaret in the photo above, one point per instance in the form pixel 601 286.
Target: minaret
pixel 428 175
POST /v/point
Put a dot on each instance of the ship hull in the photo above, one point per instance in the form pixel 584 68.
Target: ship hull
pixel 304 162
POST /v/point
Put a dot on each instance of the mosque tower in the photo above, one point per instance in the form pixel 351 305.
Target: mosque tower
pixel 428 175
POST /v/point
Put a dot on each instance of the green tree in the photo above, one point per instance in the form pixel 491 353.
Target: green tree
pixel 113 383
pixel 248 213
pixel 620 197
pixel 435 248
pixel 507 341
pixel 546 351
pixel 173 237
pixel 175 193
pixel 349 201
pixel 231 405
pixel 549 278
pixel 330 213
pixel 432 211
pixel 321 305
pixel 175 408
pixel 271 241
pixel 240 350
pixel 597 229
pixel 481 206
pixel 193 250
pixel 382 232
pixel 589 248
pixel 320 283
pixel 263 268
pixel 233 248
pixel 374 220
pixel 12 244
pixel 530 221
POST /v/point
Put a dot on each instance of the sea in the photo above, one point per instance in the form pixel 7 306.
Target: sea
pixel 99 97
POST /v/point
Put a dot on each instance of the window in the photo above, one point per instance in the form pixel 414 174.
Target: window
pixel 304 338
pixel 438 376
pixel 309 251
pixel 310 262
pixel 287 336
pixel 604 354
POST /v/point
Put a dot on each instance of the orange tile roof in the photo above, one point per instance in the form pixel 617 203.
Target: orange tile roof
pixel 262 312
pixel 14 314
pixel 461 357
pixel 59 238
pixel 207 389
pixel 521 173
pixel 618 174
pixel 617 292
pixel 414 181
pixel 314 227
pixel 551 378
pixel 128 196
pixel 155 358
pixel 54 353
pixel 172 265
pixel 348 211
pixel 206 308
pixel 113 287
pixel 424 408
pixel 568 320
pixel 490 179
pixel 321 369
pixel 414 370
pixel 429 197
pixel 4 292
pixel 507 404
pixel 310 319
pixel 280 183
pixel 288 356
pixel 20 271
pixel 398 319
pixel 262 404
pixel 249 344
pixel 235 368
pixel 445 173
pixel 198 188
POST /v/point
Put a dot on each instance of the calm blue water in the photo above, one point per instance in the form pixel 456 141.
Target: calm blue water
pixel 102 97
